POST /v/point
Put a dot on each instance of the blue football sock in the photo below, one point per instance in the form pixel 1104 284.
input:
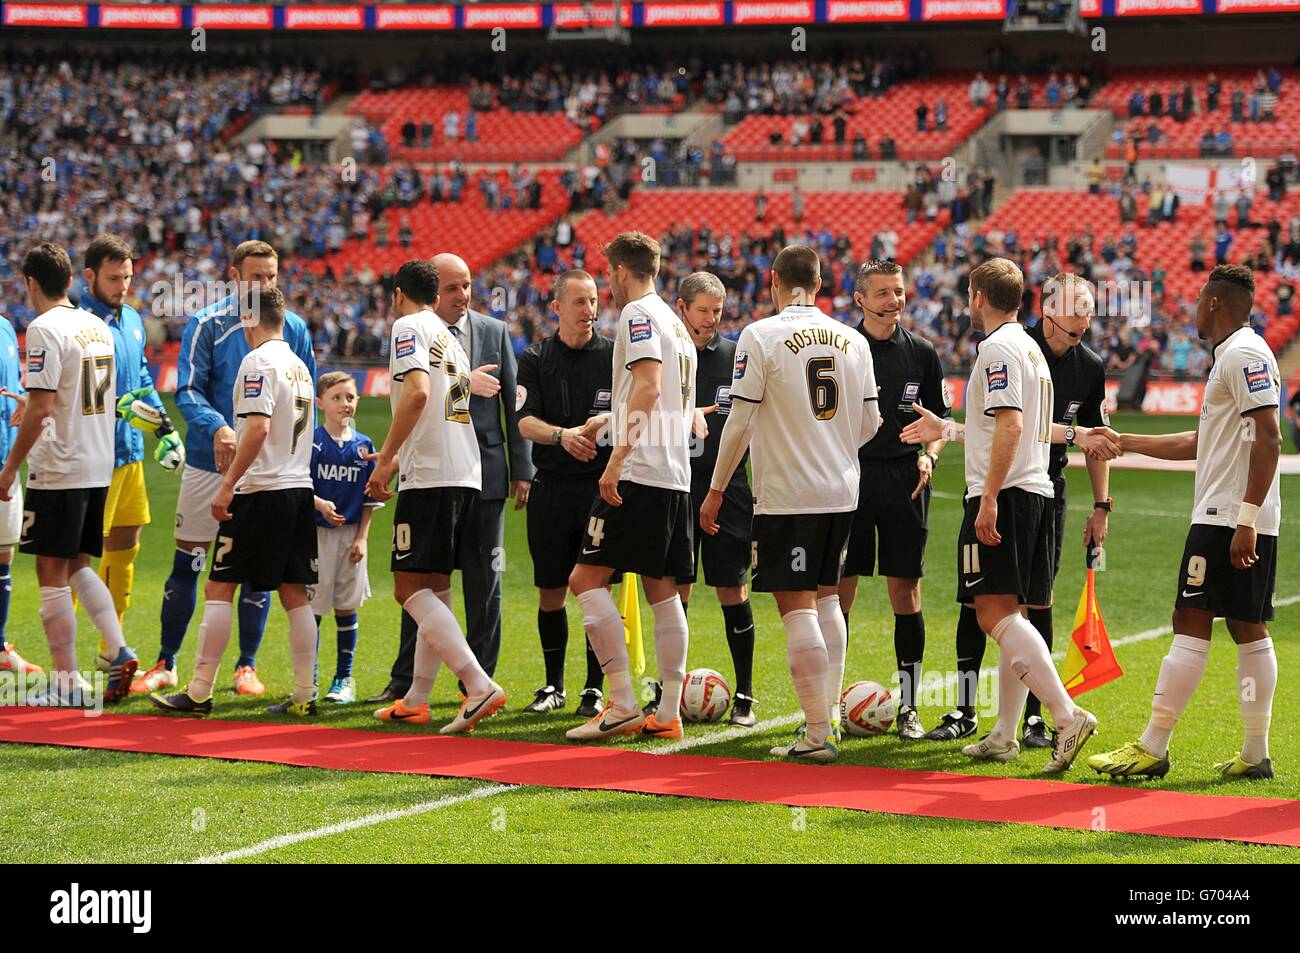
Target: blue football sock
pixel 254 609
pixel 5 589
pixel 348 629
pixel 180 592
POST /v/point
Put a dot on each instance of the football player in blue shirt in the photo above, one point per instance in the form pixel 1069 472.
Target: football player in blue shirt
pixel 13 400
pixel 341 462
pixel 212 348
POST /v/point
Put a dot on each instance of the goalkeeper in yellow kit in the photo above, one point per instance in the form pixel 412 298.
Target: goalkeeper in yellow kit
pixel 108 273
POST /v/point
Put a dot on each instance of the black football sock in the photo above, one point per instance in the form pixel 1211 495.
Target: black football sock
pixel 553 627
pixel 970 656
pixel 1040 619
pixel 909 648
pixel 595 677
pixel 739 620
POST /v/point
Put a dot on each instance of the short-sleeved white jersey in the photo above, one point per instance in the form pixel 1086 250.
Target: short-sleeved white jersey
pixel 442 450
pixel 648 329
pixel 1010 372
pixel 1244 378
pixel 274 382
pixel 70 352
pixel 812 376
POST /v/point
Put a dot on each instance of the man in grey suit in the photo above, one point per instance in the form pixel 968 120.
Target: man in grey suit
pixel 492 386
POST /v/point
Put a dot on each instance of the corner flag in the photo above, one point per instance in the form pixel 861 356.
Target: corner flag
pixel 629 607
pixel 1090 661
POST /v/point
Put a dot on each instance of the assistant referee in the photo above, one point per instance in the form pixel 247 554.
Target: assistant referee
pixel 894 494
pixel 726 555
pixel 564 389
pixel 1079 398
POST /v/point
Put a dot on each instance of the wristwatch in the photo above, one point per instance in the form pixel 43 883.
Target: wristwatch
pixel 1069 436
pixel 1106 504
pixel 558 437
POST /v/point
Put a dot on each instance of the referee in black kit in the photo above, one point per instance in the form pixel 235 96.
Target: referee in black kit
pixel 727 554
pixel 565 384
pixel 894 494
pixel 1079 398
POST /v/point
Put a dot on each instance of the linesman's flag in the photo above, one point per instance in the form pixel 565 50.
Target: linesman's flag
pixel 1090 661
pixel 629 607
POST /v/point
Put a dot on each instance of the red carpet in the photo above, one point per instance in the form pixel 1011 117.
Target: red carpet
pixel 1126 808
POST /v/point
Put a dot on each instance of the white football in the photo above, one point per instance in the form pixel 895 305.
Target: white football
pixel 706 696
pixel 867 708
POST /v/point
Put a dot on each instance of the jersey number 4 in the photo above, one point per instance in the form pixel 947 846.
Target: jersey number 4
pixel 94 386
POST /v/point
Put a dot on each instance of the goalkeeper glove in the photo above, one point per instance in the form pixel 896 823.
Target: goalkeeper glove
pixel 170 452
pixel 139 414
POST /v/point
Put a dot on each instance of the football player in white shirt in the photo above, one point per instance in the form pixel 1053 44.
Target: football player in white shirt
pixel 66 438
pixel 642 522
pixel 1005 548
pixel 265 507
pixel 804 389
pixel 1229 563
pixel 432 443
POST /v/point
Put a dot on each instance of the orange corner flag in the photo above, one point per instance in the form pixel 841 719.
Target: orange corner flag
pixel 1090 661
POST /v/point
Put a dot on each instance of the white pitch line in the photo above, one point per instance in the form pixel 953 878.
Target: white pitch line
pixel 285 840
pixel 1124 511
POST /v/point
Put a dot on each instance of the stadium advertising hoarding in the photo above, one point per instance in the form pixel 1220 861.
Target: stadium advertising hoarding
pixel 537 16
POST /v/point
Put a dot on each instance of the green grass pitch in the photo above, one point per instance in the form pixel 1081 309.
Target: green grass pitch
pixel 72 806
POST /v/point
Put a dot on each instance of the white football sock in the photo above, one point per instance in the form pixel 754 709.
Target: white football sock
pixel 805 651
pixel 1180 673
pixel 94 595
pixel 604 628
pixel 427 664
pixel 1012 694
pixel 1256 682
pixel 60 620
pixel 438 625
pixel 1031 663
pixel 214 636
pixel 671 641
pixel 835 633
pixel 302 650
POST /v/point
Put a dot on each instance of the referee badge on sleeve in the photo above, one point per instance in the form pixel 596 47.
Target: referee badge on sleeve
pixel 997 376
pixel 947 397
pixel 521 395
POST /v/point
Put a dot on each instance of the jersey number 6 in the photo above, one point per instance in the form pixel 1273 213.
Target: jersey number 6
pixel 823 389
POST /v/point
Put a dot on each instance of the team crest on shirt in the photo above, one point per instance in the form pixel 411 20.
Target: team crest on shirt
pixel 1257 377
pixel 252 387
pixel 742 364
pixel 35 360
pixel 405 344
pixel 947 397
pixel 997 375
pixel 640 329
